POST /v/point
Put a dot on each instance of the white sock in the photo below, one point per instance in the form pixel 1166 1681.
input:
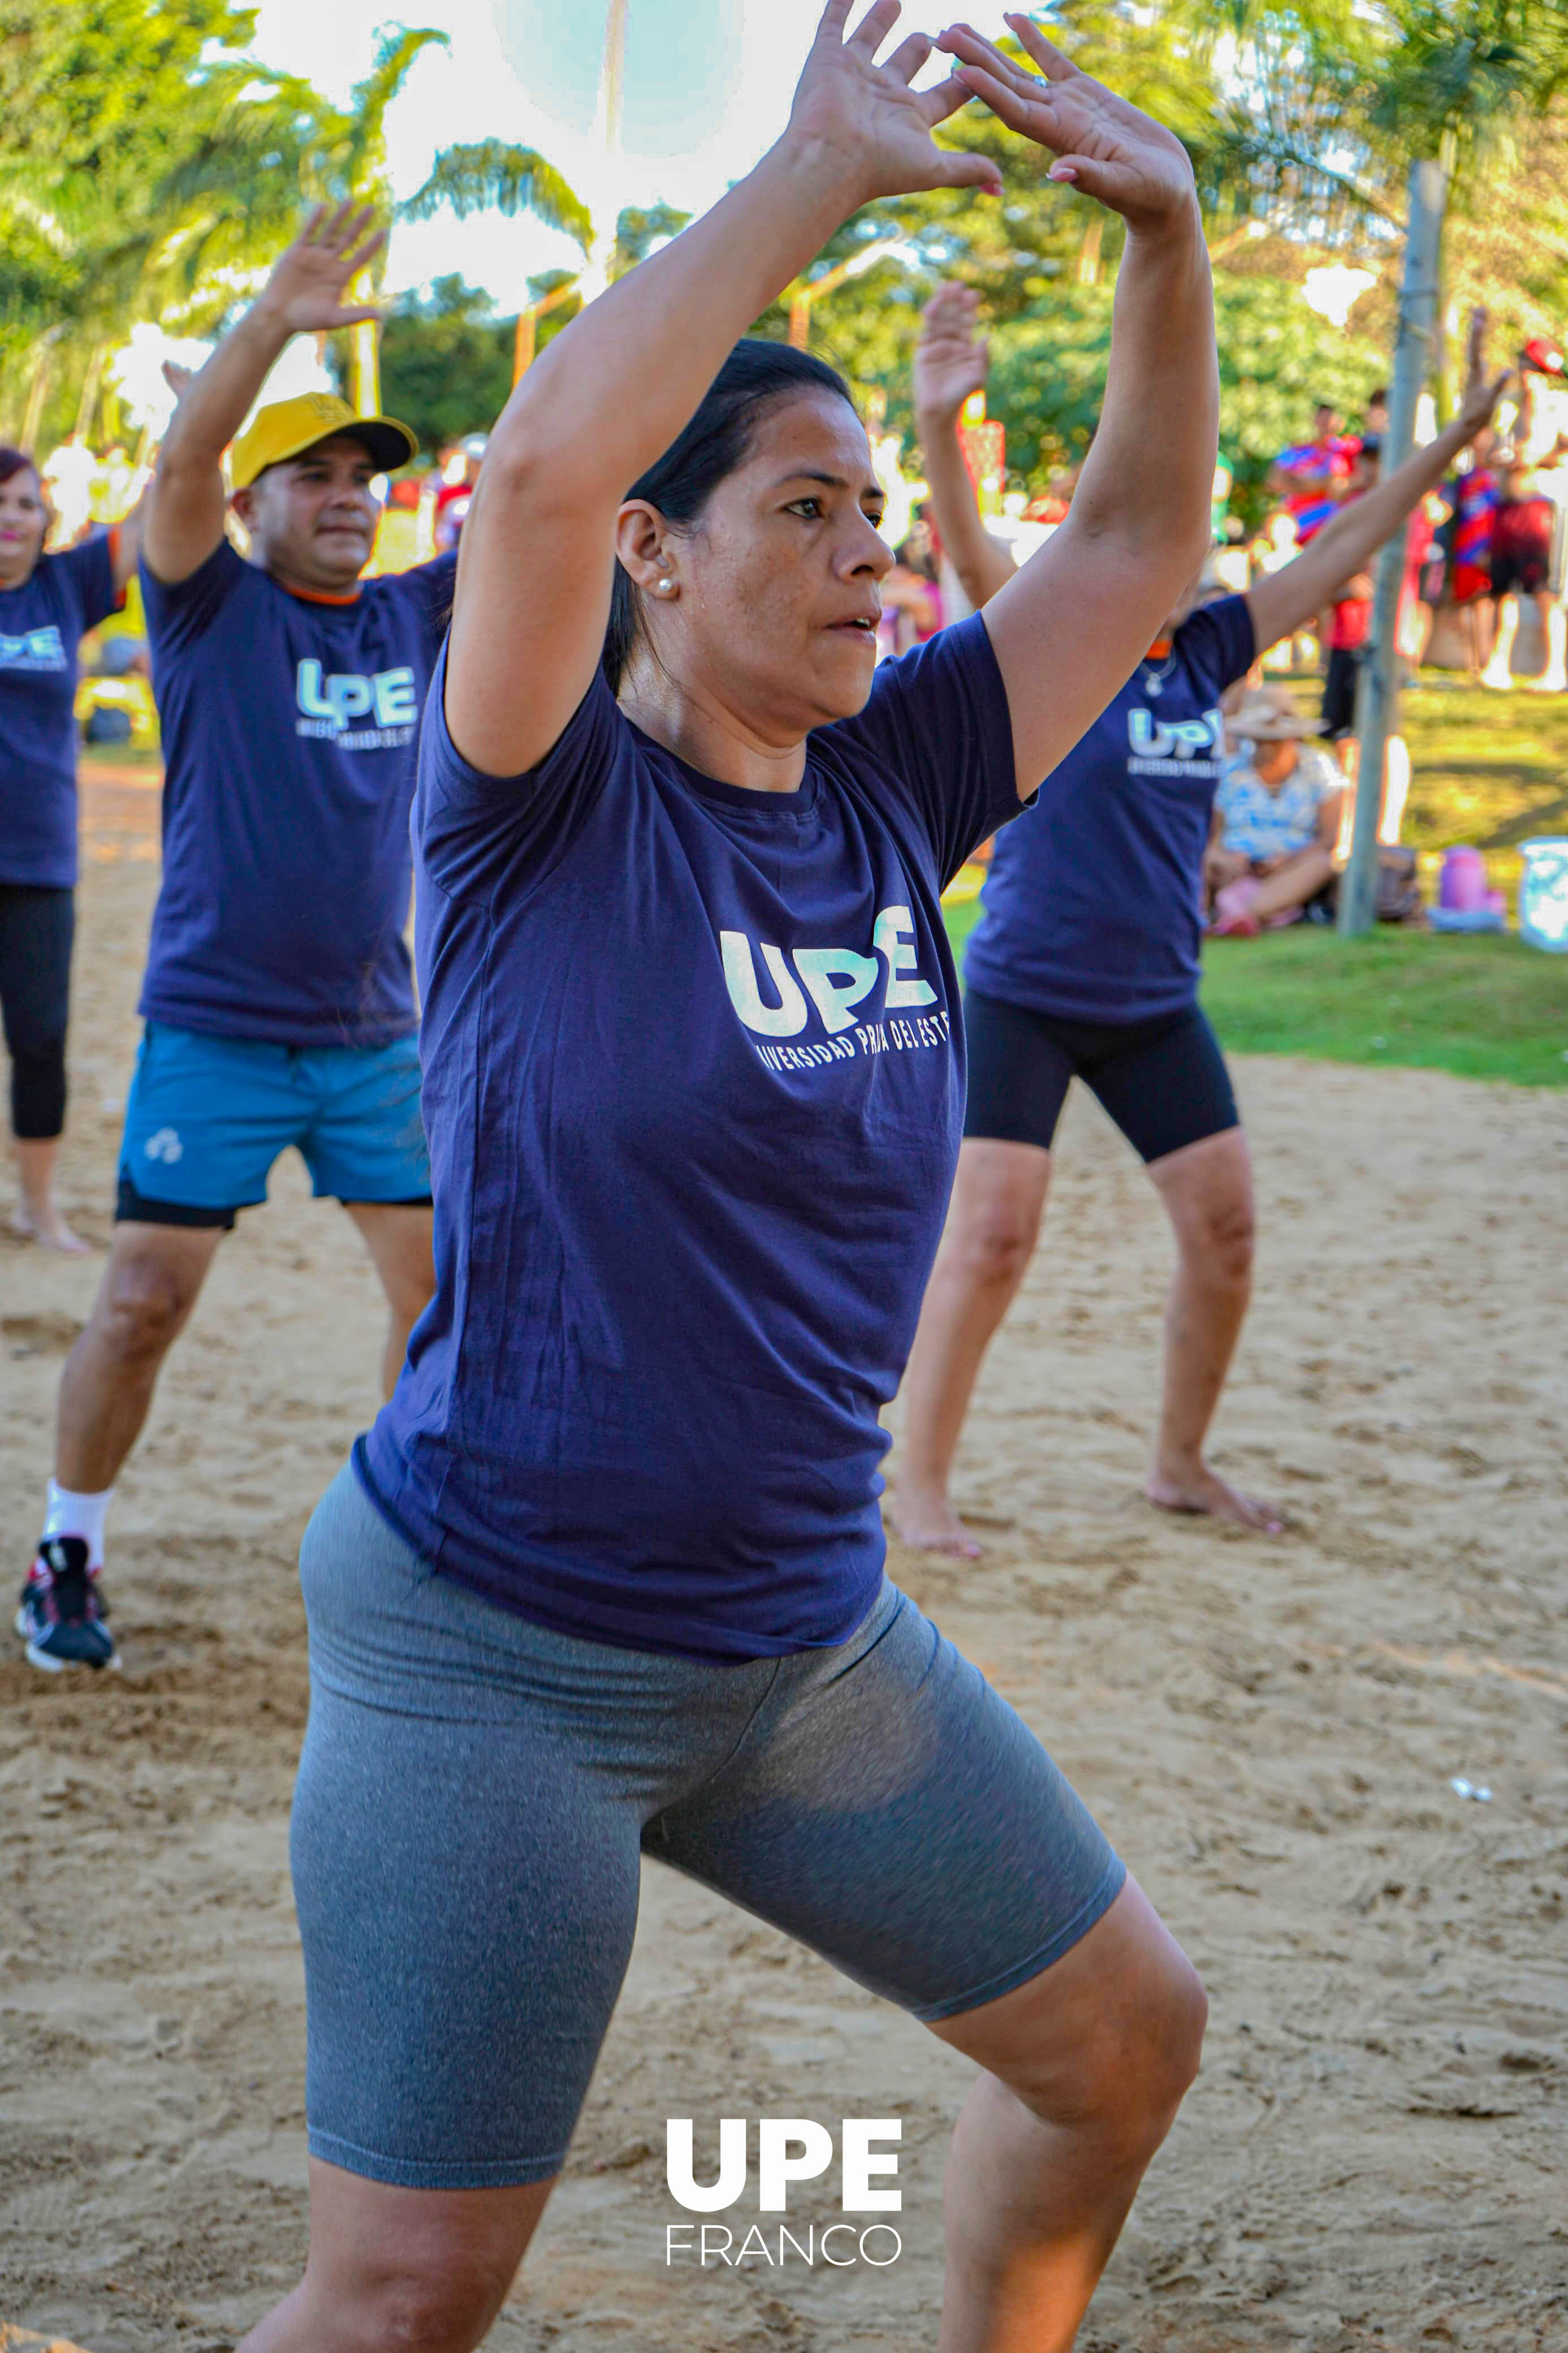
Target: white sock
pixel 78 1516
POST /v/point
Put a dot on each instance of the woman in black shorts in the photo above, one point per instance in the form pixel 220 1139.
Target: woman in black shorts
pixel 48 604
pixel 1085 965
pixel 606 1578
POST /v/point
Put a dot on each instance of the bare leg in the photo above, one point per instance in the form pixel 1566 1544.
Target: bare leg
pixel 399 1241
pixel 150 1286
pixel 1498 671
pixel 400 2271
pixel 38 1215
pixel 1291 885
pixel 1206 1188
pixel 1554 625
pixel 1086 2066
pixel 993 1225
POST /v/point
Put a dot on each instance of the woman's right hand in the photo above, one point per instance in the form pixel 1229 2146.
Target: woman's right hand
pixel 871 129
pixel 950 358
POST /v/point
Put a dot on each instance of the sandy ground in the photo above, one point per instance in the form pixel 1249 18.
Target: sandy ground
pixel 1373 2154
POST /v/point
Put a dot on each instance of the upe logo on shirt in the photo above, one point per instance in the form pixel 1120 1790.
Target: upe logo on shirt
pixel 1171 748
pixel 34 650
pixel 789 2149
pixel 333 702
pixel 834 979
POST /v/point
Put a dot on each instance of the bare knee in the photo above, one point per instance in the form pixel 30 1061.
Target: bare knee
pixel 1225 1239
pixel 998 1245
pixel 142 1306
pixel 1133 2063
pixel 444 2308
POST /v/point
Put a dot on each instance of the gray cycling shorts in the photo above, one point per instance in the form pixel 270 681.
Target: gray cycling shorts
pixel 477 1793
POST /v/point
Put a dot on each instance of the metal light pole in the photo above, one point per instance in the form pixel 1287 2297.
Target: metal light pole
pixel 1377 700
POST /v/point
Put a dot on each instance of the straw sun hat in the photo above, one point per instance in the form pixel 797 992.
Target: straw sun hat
pixel 1270 716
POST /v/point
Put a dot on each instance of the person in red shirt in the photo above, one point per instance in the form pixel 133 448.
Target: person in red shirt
pixel 1349 630
pixel 1522 532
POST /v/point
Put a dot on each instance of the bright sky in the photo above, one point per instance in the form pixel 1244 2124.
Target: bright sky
pixel 708 87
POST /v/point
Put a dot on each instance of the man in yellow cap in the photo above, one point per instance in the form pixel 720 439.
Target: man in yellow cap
pixel 277 998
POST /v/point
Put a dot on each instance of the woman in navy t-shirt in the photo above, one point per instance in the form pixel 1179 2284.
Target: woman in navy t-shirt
pixel 1085 965
pixel 606 1577
pixel 48 604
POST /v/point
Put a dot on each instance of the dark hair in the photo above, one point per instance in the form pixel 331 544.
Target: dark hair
pixel 716 441
pixel 16 461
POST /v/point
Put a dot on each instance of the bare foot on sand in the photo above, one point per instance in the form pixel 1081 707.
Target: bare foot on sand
pixel 928 1523
pixel 50 1232
pixel 1202 1490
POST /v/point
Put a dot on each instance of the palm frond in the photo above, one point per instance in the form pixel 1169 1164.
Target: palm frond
pixel 490 174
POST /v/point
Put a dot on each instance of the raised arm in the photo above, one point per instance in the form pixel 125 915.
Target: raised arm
pixel 615 389
pixel 184 504
pixel 1072 624
pixel 1286 598
pixel 951 361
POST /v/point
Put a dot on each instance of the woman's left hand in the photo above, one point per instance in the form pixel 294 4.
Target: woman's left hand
pixel 1103 146
pixel 867 121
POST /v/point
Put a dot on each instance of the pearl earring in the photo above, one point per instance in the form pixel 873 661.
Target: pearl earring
pixel 665 586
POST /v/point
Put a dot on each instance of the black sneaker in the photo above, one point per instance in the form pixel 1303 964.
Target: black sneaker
pixel 62 1612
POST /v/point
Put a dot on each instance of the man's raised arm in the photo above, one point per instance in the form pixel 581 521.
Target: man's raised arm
pixel 304 295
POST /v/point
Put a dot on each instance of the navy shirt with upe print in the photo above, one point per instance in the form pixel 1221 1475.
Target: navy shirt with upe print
pixel 42 623
pixel 693 1087
pixel 1093 908
pixel 289 728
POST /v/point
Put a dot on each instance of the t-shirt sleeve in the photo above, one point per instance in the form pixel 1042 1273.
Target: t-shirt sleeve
pixel 937 723
pixel 476 831
pixel 88 571
pixel 1218 642
pixel 432 583
pixel 179 611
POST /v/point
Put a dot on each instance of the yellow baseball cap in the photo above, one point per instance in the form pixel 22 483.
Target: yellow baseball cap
pixel 286 427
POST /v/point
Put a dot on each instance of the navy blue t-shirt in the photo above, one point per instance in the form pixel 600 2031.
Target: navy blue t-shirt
pixel 1093 907
pixel 693 1086
pixel 290 726
pixel 42 623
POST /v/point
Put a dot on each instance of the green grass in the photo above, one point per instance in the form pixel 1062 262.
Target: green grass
pixel 1489 769
pixel 1487 1007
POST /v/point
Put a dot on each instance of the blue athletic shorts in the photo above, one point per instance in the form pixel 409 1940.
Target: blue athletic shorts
pixel 477 1793
pixel 209 1116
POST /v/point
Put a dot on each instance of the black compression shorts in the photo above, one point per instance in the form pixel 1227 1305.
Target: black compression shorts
pixel 1164 1082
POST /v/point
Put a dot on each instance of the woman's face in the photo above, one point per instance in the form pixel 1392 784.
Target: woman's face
pixel 22 521
pixel 777 585
pixel 1275 761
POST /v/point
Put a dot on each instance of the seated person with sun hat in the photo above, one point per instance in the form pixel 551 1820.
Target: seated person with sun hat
pixel 1276 819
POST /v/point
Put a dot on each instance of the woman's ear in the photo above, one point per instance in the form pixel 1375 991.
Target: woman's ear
pixel 643 544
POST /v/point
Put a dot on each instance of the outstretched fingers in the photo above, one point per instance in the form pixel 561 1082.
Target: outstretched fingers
pixel 1046 54
pixel 972 48
pixel 942 99
pixel 908 57
pixel 1008 105
pixel 875 25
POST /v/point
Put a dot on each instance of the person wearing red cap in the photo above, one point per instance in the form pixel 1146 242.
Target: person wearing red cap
pixel 277 998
